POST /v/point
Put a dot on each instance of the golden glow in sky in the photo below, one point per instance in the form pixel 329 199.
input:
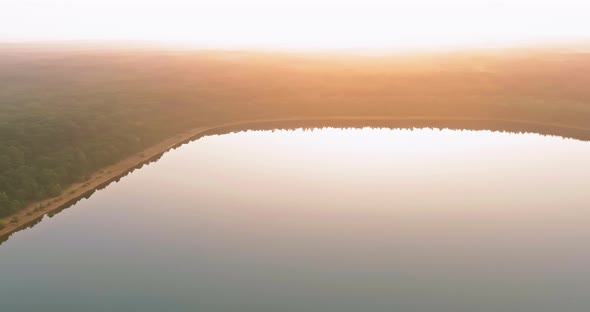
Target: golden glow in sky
pixel 303 24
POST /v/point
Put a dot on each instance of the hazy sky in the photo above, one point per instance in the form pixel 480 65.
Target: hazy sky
pixel 302 24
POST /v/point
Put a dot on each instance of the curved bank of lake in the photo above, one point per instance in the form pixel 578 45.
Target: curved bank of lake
pixel 33 214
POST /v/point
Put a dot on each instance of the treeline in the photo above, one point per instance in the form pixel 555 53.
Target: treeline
pixel 47 147
pixel 64 115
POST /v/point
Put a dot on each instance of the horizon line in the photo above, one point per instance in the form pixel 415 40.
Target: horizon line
pixel 582 44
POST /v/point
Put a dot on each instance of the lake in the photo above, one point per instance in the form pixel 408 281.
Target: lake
pixel 328 219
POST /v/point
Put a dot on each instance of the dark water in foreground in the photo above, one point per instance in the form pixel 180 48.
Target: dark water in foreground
pixel 324 220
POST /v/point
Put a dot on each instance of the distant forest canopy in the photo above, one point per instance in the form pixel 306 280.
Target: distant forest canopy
pixel 66 113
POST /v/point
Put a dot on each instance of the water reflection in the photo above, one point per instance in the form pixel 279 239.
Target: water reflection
pixel 410 123
pixel 514 127
pixel 373 219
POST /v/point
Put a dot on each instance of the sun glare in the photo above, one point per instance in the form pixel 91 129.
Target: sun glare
pixel 290 24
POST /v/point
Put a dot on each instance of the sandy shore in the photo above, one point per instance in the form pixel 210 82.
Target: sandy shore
pixel 31 213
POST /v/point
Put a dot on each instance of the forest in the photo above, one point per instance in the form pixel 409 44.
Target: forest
pixel 66 112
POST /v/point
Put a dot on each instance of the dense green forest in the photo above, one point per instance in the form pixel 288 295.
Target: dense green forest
pixel 65 113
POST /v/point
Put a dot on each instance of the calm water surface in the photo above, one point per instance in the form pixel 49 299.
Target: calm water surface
pixel 323 220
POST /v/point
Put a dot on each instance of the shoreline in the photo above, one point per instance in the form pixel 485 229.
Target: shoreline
pixel 30 214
